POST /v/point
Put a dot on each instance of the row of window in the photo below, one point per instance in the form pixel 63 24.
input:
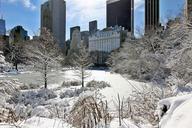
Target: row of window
pixel 104 45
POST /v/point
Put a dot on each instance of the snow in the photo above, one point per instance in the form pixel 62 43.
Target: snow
pixel 119 84
pixel 41 111
pixel 39 122
pixel 125 124
pixel 41 116
pixel 3 64
pixel 179 112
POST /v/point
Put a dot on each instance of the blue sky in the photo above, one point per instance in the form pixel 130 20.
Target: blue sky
pixel 79 12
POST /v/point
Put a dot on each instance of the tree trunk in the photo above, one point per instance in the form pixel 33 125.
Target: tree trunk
pixel 119 109
pixel 16 66
pixel 45 76
pixel 82 77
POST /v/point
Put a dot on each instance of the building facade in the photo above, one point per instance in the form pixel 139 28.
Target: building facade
pixel 92 27
pixel 103 42
pixel 18 34
pixel 76 39
pixel 152 14
pixel 85 38
pixel 2 27
pixel 72 29
pixel 119 13
pixel 53 17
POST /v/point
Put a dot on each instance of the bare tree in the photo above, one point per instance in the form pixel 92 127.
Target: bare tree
pixel 44 53
pixel 15 54
pixel 81 60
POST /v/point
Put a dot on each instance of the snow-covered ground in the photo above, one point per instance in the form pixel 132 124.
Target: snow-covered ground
pixel 119 85
pixel 39 122
pixel 178 107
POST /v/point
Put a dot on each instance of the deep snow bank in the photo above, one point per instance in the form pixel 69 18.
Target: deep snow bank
pixel 179 112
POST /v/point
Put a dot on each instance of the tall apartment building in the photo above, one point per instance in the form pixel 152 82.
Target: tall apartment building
pixel 152 15
pixel 119 13
pixel 92 27
pixel 2 27
pixel 53 17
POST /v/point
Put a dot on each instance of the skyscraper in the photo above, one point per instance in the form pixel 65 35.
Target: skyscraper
pixel 72 29
pixel 151 14
pixel 2 27
pixel 119 13
pixel 53 17
pixel 189 9
pixel 92 27
pixel 76 39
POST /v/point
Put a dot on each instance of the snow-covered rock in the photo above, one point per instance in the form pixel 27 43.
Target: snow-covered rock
pixel 178 114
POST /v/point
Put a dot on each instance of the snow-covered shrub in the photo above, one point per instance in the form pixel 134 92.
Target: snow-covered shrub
pixel 88 112
pixel 23 111
pixel 72 93
pixel 7 89
pixel 67 93
pixel 183 66
pixel 24 87
pixel 30 86
pixel 143 102
pixel 41 111
pixel 97 84
pixel 4 66
pixel 70 83
pixel 59 110
pixel 46 94
pixel 33 98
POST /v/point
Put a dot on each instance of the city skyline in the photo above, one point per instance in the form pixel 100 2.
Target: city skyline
pixel 78 13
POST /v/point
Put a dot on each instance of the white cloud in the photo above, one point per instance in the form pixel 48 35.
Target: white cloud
pixel 85 8
pixel 25 3
pixel 139 3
